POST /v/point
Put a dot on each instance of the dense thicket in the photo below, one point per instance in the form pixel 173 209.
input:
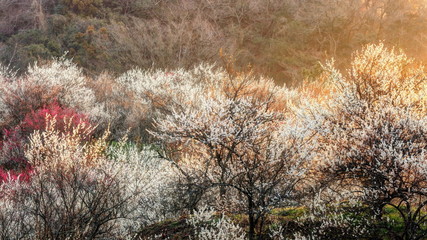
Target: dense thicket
pixel 283 39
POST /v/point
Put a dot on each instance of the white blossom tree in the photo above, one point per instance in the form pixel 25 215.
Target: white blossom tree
pixel 241 145
pixel 374 135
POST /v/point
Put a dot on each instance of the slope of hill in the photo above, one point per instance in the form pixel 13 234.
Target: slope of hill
pixel 283 39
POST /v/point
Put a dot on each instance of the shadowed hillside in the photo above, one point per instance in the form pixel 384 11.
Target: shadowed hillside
pixel 283 39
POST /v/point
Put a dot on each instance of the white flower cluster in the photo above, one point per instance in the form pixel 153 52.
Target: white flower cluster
pixel 148 181
pixel 209 227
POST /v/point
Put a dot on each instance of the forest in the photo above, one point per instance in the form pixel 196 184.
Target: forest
pixel 213 119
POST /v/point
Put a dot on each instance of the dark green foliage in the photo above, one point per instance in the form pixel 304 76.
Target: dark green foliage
pixel 29 46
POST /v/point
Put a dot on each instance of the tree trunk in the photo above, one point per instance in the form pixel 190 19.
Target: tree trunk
pixel 251 227
pixel 40 17
pixel 252 220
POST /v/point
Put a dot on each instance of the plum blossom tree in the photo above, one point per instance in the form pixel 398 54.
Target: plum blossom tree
pixel 156 92
pixel 240 145
pixel 58 81
pixel 374 135
pixel 81 188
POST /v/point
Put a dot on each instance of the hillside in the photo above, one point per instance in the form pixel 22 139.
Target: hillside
pixel 213 120
pixel 283 39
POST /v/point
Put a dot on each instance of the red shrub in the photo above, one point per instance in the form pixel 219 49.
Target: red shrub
pixel 13 163
pixel 11 175
pixel 36 120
